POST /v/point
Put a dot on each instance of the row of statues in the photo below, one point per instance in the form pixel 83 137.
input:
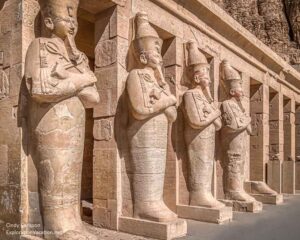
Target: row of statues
pixel 62 85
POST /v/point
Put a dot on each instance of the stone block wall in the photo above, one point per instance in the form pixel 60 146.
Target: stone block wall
pixel 105 35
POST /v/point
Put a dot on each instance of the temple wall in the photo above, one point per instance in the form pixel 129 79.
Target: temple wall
pixel 105 35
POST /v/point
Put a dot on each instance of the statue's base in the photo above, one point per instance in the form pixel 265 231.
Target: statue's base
pixel 242 206
pixel 204 214
pixel 158 230
pixel 268 199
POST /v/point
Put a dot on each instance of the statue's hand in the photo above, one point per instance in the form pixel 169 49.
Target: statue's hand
pixel 172 100
pixel 171 113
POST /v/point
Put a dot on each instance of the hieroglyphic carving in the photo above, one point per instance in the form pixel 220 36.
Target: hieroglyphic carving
pixel 61 86
pixel 151 109
pixel 4 81
pixel 202 121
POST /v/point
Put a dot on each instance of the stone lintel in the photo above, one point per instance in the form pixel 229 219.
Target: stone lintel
pixel 242 206
pixel 204 214
pixel 158 230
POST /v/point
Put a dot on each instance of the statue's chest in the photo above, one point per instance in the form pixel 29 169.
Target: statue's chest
pixel 204 107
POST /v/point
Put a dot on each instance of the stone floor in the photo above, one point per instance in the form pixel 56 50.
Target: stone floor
pixel 274 223
pixel 280 222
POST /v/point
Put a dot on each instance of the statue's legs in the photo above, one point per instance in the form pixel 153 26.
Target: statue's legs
pixel 234 177
pixel 148 153
pixel 201 159
pixel 59 141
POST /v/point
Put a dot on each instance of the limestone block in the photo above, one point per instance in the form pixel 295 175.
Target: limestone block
pixel 107 88
pixel 274 169
pixel 243 206
pixel 3 165
pixel 288 177
pixel 297 173
pixel 269 199
pixel 118 25
pixel 158 230
pixel 203 214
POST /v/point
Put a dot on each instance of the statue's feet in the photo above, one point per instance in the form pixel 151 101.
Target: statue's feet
pixel 240 196
pixel 205 200
pixel 154 211
pixel 262 188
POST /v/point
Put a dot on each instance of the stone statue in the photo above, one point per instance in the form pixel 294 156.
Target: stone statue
pixel 151 108
pixel 236 127
pixel 61 86
pixel 202 121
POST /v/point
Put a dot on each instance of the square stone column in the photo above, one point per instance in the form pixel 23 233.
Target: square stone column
pixel 259 140
pixel 276 138
pixel 288 167
pixel 297 147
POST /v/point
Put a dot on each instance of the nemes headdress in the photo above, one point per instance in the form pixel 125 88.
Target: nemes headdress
pixel 59 7
pixel 145 35
pixel 195 57
pixel 230 76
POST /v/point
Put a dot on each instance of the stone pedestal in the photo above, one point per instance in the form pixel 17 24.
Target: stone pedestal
pixel 297 173
pixel 242 206
pixel 269 199
pixel 152 229
pixel 28 237
pixel 288 177
pixel 203 214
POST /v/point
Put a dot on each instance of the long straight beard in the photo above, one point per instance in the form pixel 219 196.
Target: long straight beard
pixel 73 52
pixel 159 76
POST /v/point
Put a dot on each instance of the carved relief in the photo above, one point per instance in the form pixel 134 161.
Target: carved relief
pixel 61 86
pixel 151 108
pixel 4 81
pixel 202 120
pixel 103 130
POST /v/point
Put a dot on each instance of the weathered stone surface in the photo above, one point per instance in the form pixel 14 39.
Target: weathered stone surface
pixel 244 206
pixel 274 22
pixel 164 231
pixel 204 214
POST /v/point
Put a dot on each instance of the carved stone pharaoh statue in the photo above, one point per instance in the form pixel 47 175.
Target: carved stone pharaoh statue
pixel 236 127
pixel 61 86
pixel 202 121
pixel 151 109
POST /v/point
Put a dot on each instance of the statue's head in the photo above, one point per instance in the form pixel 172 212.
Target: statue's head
pixel 60 16
pixel 200 67
pixel 147 42
pixel 233 80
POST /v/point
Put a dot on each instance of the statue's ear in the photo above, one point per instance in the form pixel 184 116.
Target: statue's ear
pixel 49 23
pixel 232 92
pixel 196 79
pixel 143 58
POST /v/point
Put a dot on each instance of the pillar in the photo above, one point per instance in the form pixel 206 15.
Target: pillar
pixel 276 138
pixel 288 167
pixel 297 147
pixel 259 140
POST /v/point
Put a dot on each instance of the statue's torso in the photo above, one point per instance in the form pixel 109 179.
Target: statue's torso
pixel 151 131
pixel 204 110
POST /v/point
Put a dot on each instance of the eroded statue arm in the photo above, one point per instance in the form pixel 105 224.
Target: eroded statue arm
pixel 193 114
pixel 230 121
pixel 52 85
pixel 139 105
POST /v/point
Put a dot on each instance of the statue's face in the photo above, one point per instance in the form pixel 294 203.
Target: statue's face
pixel 62 26
pixel 201 75
pixel 152 57
pixel 237 91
